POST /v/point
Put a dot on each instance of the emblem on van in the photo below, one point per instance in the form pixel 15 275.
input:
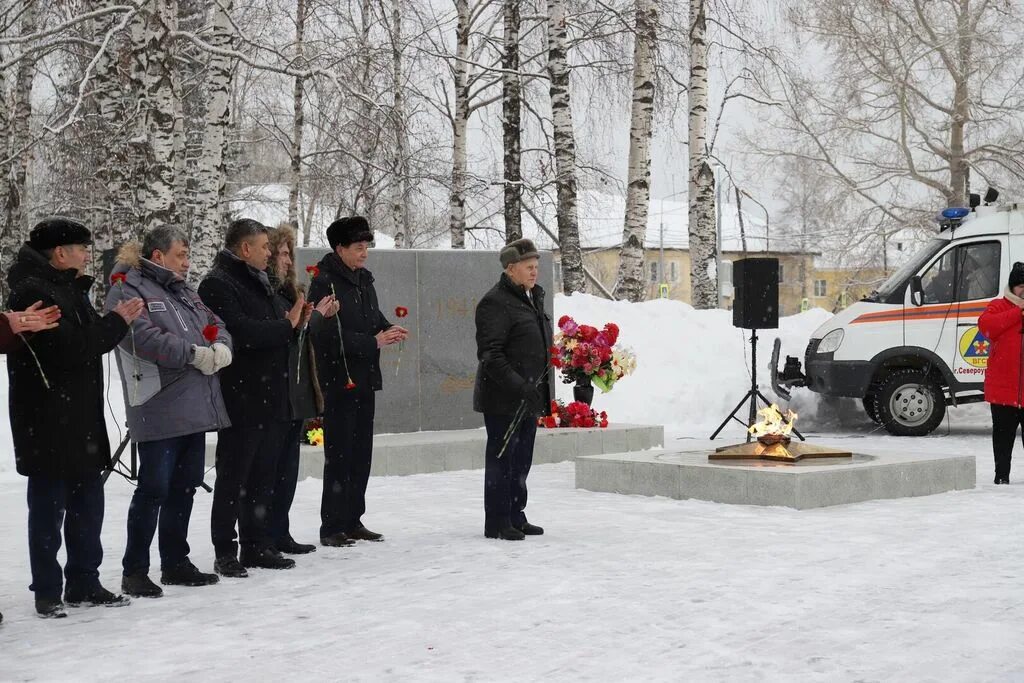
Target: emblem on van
pixel 974 347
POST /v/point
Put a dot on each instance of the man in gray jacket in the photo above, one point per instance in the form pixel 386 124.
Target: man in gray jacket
pixel 172 394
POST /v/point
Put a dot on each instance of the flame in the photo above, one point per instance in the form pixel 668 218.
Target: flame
pixel 773 422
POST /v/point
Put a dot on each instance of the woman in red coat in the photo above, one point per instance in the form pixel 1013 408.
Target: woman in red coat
pixel 1003 324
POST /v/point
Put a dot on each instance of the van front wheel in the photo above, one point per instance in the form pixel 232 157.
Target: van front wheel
pixel 909 403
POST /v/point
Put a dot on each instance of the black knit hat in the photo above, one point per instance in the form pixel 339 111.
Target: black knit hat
pixel 1016 275
pixel 348 231
pixel 56 231
pixel 516 251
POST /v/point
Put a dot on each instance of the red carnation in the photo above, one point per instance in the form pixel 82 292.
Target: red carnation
pixel 588 333
pixel 210 333
pixel 563 320
pixel 611 333
pixel 313 271
pixel 549 422
pixel 118 279
pixel 351 385
pixel 401 311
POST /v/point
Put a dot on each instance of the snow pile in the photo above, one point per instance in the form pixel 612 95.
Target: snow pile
pixel 692 366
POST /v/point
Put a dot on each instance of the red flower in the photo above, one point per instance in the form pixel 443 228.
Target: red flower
pixel 611 333
pixel 401 311
pixel 588 333
pixel 313 271
pixel 563 320
pixel 550 422
pixel 118 279
pixel 210 333
pixel 351 385
pixel 556 362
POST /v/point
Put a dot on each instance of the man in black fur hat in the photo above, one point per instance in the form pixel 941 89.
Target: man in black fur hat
pixel 348 366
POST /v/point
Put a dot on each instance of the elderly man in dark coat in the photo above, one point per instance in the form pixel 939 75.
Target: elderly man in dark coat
pixel 349 370
pixel 513 335
pixel 56 400
pixel 255 389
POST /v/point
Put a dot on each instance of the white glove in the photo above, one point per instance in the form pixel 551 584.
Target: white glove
pixel 205 360
pixel 221 355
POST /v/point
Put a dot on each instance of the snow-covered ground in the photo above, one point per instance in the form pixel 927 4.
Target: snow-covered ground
pixel 619 588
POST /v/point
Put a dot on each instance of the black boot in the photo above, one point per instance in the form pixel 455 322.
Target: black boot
pixel 505 533
pixel 50 608
pixel 530 529
pixel 291 547
pixel 97 596
pixel 266 558
pixel 186 574
pixel 229 566
pixel 361 533
pixel 1001 480
pixel 338 540
pixel 139 586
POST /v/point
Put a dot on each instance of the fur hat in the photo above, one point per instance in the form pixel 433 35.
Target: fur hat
pixel 56 231
pixel 348 231
pixel 1016 275
pixel 516 251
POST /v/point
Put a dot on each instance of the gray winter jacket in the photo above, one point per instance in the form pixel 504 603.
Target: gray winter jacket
pixel 165 396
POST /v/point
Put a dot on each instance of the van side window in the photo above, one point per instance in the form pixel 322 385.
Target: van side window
pixel 979 270
pixel 964 273
pixel 937 281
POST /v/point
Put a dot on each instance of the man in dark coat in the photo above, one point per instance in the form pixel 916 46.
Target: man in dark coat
pixel 255 389
pixel 349 370
pixel 513 336
pixel 56 403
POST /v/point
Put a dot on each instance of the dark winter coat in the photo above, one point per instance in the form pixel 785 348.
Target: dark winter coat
pixel 361 320
pixel 170 397
pixel 255 385
pixel 1001 323
pixel 513 336
pixel 59 432
pixel 305 398
pixel 9 342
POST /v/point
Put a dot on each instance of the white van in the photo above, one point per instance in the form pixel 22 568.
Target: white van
pixel 913 347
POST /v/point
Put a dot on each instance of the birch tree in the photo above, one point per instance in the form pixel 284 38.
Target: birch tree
pixel 208 230
pixel 701 178
pixel 298 122
pixel 630 283
pixel 565 152
pixel 511 108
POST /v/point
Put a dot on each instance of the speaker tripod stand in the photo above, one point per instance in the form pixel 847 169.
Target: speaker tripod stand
pixel 752 395
pixel 133 471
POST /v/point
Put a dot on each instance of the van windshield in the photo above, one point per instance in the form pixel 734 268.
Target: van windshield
pixel 892 290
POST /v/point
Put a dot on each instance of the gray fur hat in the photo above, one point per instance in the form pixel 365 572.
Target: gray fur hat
pixel 516 251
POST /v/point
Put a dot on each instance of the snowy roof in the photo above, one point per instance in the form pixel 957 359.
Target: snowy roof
pixel 268 204
pixel 601 221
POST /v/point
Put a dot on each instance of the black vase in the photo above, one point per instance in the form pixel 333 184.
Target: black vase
pixel 583 391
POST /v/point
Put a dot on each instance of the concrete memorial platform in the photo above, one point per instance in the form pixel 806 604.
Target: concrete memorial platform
pixel 428 383
pixel 683 474
pixel 444 451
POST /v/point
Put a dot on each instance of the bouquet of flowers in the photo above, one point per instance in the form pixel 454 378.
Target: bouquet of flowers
pixel 583 352
pixel 576 414
pixel 313 433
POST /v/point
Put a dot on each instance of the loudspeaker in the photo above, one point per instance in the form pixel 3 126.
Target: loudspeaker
pixel 755 305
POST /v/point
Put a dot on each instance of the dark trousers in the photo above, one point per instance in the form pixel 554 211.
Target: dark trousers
pixel 169 472
pixel 1005 421
pixel 246 469
pixel 505 478
pixel 348 452
pixel 284 486
pixel 77 505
